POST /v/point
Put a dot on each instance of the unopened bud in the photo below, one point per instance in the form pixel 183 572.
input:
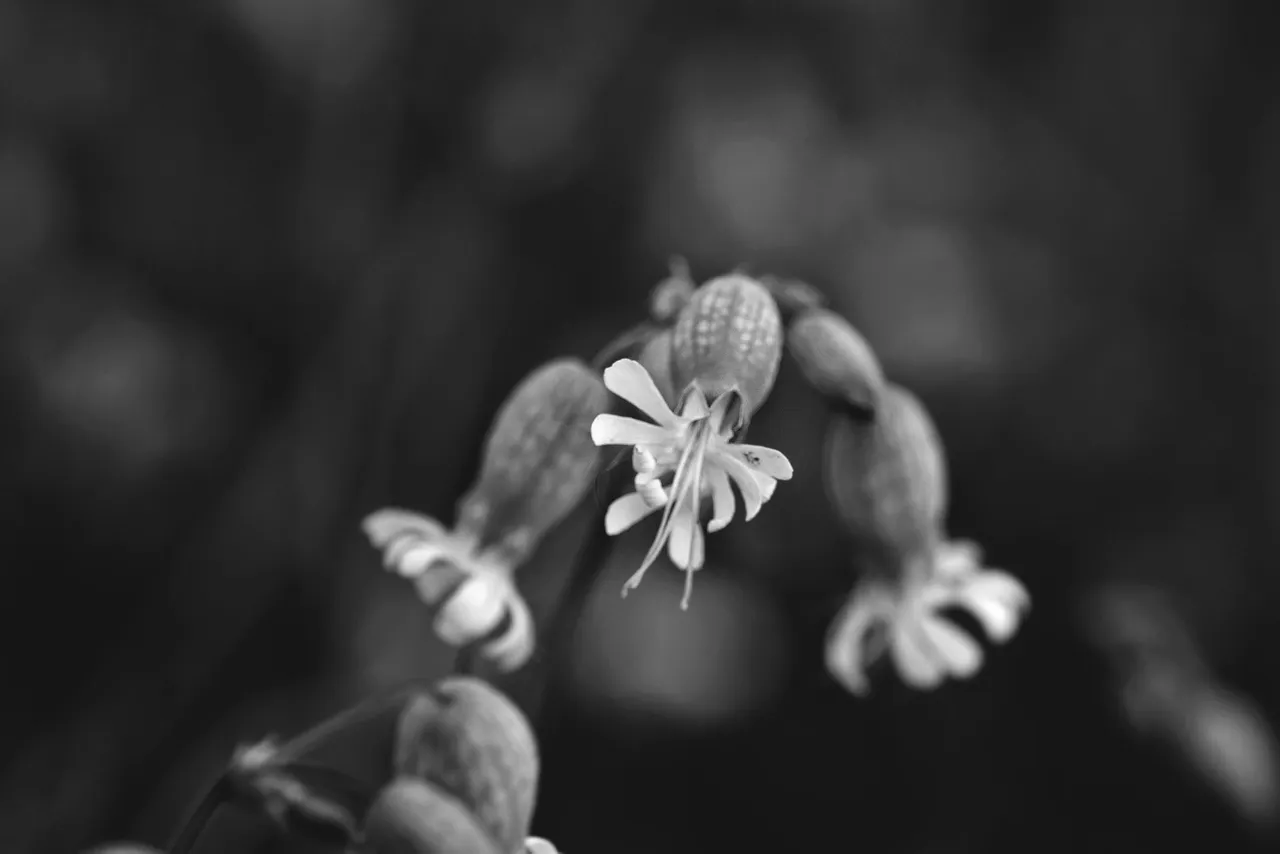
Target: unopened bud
pixel 887 479
pixel 835 358
pixel 793 295
pixel 410 816
pixel 538 461
pixel 672 293
pixel 468 739
pixel 728 338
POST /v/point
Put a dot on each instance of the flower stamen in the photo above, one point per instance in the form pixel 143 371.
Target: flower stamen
pixel 679 488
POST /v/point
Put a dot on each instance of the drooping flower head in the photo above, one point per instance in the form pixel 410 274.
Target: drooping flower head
pixel 538 464
pixel 887 481
pixel 725 349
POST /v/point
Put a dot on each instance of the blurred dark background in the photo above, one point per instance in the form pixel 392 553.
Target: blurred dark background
pixel 267 265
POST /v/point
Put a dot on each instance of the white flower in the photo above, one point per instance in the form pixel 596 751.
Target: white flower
pixel 535 845
pixel 696 448
pixel 477 588
pixel 924 645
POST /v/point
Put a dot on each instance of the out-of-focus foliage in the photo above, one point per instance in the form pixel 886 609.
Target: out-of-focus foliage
pixel 248 249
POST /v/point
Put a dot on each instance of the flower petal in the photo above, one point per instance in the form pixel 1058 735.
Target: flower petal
pixel 536 845
pixel 762 459
pixel 846 639
pixel 610 429
pixel 959 654
pixel 410 556
pixel 686 533
pixel 997 599
pixel 628 379
pixel 957 559
pixel 767 485
pixel 746 481
pixel 438 581
pixel 625 512
pixel 695 404
pixel 723 504
pixel 473 610
pixel 383 526
pixel 513 647
pixel 915 657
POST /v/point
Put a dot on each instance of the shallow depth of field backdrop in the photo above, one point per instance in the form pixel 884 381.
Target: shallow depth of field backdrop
pixel 267 265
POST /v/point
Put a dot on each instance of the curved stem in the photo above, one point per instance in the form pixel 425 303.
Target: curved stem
pixel 185 841
pixel 623 345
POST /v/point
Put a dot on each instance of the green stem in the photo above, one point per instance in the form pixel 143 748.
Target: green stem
pixel 185 841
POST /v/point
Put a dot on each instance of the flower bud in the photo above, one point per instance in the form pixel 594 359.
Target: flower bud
pixel 672 293
pixel 413 817
pixel 728 338
pixel 835 359
pixel 474 744
pixel 887 480
pixel 538 461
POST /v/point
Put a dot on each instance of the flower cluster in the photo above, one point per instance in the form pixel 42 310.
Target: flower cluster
pixel 704 364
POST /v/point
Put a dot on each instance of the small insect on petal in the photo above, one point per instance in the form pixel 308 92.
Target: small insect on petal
pixel 728 338
pixel 539 460
pixel 835 359
pixel 887 480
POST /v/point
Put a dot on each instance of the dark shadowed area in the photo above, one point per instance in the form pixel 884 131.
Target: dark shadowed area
pixel 268 265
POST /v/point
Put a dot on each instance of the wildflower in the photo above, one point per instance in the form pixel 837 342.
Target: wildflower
pixel 835 359
pixel 888 483
pixel 906 617
pixel 695 447
pixel 724 353
pixel 537 465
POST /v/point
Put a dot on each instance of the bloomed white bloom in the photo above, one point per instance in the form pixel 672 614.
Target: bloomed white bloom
pixel 477 587
pixel 924 645
pixel 534 845
pixel 696 449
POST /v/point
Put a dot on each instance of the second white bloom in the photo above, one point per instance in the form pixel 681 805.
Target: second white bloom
pixel 696 449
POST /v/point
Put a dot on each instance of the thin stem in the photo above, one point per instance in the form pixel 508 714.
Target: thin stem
pixel 562 624
pixel 295 747
pixel 185 841
pixel 623 345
